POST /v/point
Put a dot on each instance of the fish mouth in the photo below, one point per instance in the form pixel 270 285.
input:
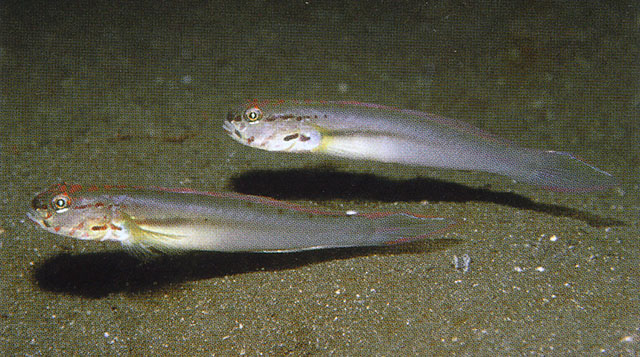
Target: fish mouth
pixel 37 218
pixel 234 133
pixel 229 128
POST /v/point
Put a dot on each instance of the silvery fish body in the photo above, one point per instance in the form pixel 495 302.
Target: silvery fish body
pixel 173 220
pixel 374 132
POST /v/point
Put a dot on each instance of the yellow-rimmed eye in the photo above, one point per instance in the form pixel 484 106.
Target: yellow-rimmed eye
pixel 253 114
pixel 60 202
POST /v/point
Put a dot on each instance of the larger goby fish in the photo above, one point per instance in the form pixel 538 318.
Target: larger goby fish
pixel 375 132
pixel 174 220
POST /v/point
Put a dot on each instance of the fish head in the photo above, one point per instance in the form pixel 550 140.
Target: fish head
pixel 270 127
pixel 62 210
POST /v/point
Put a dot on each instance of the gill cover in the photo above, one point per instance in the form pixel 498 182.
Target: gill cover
pixel 260 128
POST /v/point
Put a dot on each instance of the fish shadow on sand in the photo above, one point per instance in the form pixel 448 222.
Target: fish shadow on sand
pixel 327 183
pixel 96 275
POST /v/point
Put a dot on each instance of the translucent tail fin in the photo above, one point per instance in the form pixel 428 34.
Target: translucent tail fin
pixel 404 228
pixel 561 171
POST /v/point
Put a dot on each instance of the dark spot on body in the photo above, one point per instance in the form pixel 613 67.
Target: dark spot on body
pixel 283 117
pixel 290 137
pixel 251 139
pixel 237 118
pixel 237 133
pixel 99 228
pixel 304 137
pixel 270 118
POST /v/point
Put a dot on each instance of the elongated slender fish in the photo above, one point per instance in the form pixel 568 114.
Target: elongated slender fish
pixel 374 132
pixel 168 220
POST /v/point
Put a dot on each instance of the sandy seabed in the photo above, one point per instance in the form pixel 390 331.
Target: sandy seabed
pixel 131 93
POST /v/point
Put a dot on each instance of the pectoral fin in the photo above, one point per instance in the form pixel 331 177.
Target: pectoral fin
pixel 363 145
pixel 145 243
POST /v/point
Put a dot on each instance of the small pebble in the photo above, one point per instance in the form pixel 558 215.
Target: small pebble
pixel 628 339
pixel 462 263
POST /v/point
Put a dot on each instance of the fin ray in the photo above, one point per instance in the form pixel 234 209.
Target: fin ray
pixel 405 228
pixel 144 243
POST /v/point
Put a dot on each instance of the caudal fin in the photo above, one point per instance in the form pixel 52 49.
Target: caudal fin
pixel 404 228
pixel 561 171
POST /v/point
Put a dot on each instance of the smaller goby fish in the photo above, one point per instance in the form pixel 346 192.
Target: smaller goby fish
pixel 174 220
pixel 375 132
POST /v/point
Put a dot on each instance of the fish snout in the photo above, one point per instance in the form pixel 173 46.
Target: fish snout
pixel 231 129
pixel 37 218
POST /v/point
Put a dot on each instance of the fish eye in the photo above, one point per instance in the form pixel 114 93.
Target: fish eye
pixel 60 203
pixel 253 114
